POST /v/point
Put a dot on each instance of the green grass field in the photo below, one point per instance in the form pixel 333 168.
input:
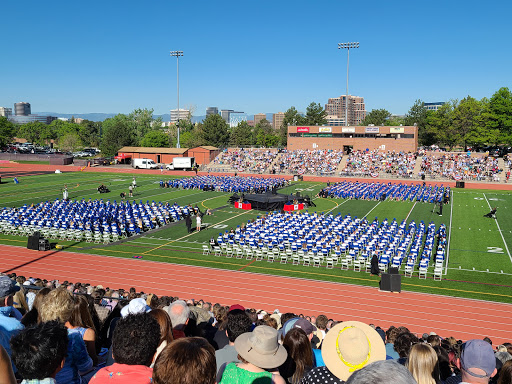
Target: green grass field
pixel 479 261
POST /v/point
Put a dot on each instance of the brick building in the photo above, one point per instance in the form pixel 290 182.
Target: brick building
pixel 353 138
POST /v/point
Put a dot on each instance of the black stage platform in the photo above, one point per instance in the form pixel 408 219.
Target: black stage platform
pixel 269 201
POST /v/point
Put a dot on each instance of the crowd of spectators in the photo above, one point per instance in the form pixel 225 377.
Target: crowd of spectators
pixel 305 161
pixel 75 333
pixel 461 166
pixel 368 163
pixel 371 163
pixel 247 160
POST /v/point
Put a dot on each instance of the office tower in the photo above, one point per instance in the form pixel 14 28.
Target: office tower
pixel 225 113
pixel 5 112
pixel 258 117
pixel 335 109
pixel 22 109
pixel 183 115
pixel 277 120
pixel 212 111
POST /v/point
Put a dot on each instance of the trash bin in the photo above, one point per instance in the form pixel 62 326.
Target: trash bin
pixel 295 178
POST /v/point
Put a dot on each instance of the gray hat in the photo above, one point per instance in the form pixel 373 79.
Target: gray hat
pixel 260 347
pixel 7 286
pixel 478 354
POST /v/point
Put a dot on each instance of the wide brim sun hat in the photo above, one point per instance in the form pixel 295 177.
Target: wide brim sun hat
pixel 260 347
pixel 349 346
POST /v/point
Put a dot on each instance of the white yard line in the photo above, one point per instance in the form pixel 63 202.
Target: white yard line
pixel 409 214
pixel 449 236
pixel 499 229
pixel 372 209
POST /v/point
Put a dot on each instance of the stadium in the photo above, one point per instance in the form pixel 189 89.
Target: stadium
pixel 242 255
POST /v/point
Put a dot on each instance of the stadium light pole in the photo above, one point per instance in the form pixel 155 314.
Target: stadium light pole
pixel 347 46
pixel 177 54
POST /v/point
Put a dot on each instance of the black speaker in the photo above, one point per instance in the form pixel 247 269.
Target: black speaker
pixel 391 283
pixel 393 271
pixel 460 184
pixel 33 242
pixel 44 245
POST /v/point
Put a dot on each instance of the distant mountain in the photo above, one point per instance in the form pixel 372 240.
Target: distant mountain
pixel 87 116
pixel 104 116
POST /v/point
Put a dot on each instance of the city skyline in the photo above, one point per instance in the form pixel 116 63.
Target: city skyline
pixel 104 58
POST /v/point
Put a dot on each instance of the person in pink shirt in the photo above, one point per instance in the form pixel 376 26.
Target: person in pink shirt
pixel 136 339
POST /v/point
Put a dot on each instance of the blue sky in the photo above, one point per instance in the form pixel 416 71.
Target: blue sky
pixel 253 56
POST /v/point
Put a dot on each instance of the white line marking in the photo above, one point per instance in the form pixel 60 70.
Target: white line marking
pixel 499 229
pixel 372 209
pixel 409 214
pixel 449 236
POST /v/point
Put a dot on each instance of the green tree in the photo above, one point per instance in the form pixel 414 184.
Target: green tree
pixel 34 132
pixel 262 129
pixel 467 118
pixel 291 117
pixel 376 117
pixel 439 124
pixel 90 133
pixel 70 142
pixel 417 114
pixel 215 131
pixel 7 131
pixel 142 121
pixel 156 139
pixel 315 114
pixel 500 114
pixel 118 132
pixel 241 135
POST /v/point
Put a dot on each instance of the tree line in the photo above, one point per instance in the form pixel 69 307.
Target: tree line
pixel 458 123
pixel 468 122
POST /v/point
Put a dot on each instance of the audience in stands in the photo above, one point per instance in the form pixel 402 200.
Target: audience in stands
pixel 300 161
pixel 382 372
pixel 39 352
pixel 188 360
pixel 136 339
pixel 373 163
pixel 246 160
pixel 143 326
pixel 260 355
pixel 58 305
pixel 237 323
pixel 9 316
pixel 461 166
pixel 423 364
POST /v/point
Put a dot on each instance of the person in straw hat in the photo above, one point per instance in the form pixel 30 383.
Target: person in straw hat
pixel 260 354
pixel 347 347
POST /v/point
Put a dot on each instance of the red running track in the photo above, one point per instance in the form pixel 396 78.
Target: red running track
pixel 447 316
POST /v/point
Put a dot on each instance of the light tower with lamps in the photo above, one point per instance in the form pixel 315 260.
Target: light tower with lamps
pixel 347 46
pixel 177 54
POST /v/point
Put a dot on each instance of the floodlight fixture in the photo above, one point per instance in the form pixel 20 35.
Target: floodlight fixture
pixel 177 54
pixel 347 46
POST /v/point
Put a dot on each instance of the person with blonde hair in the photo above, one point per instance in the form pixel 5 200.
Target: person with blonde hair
pixel 423 364
pixel 58 305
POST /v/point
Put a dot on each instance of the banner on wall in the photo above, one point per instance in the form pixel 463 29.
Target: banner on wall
pixel 396 130
pixel 371 129
pixel 325 129
pixel 302 129
pixel 348 129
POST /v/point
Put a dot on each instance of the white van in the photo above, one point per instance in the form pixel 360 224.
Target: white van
pixel 144 164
